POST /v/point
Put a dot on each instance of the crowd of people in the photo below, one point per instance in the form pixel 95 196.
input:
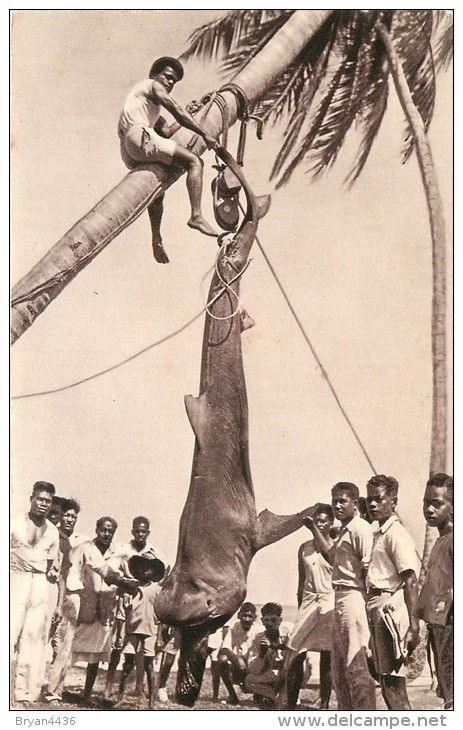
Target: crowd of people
pixel 74 599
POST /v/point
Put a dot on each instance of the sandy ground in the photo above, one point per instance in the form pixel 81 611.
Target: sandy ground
pixel 420 694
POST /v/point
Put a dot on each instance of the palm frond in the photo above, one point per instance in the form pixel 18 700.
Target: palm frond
pixel 443 39
pixel 412 33
pixel 310 68
pixel 218 37
pixel 306 144
pixel 283 96
pixel 345 97
pixel 316 62
pixel 371 115
pixel 251 44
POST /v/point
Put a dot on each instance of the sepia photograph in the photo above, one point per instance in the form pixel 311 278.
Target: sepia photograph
pixel 231 362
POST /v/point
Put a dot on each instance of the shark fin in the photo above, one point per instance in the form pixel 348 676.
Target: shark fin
pixel 263 205
pixel 196 409
pixel 246 322
pixel 271 527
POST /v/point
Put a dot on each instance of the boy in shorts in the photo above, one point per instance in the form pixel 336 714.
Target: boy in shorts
pixel 144 136
pixel 141 622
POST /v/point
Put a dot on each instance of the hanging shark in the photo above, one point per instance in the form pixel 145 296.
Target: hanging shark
pixel 220 531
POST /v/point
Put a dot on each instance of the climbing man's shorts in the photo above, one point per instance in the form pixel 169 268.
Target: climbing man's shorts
pixel 142 144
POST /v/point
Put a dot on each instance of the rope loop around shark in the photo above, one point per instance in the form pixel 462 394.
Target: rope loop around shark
pixel 220 531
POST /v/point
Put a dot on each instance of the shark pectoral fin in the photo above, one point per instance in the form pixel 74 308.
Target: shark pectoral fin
pixel 246 322
pixel 263 205
pixel 271 528
pixel 196 409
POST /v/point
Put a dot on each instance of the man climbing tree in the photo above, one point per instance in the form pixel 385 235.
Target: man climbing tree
pixel 144 136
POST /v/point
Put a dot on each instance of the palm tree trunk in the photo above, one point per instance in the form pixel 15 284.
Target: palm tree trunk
pixel 122 205
pixel 439 300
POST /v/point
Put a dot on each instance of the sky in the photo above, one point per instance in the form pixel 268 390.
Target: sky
pixel 356 265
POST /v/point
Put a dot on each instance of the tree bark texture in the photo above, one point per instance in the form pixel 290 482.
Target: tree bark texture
pixel 122 205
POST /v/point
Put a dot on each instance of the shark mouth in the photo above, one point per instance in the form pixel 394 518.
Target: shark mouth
pixel 192 659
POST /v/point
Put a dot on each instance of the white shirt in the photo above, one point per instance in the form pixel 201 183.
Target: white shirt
pixel 119 558
pixel 86 555
pixel 140 107
pixel 32 546
pixel 352 554
pixel 393 552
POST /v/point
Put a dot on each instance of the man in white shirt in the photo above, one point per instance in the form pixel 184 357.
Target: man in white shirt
pixel 355 689
pixel 34 549
pixel 392 592
pixel 66 613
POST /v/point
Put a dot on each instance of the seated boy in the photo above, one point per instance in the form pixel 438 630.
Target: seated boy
pixel 266 659
pixel 233 656
pixel 143 135
pixel 141 622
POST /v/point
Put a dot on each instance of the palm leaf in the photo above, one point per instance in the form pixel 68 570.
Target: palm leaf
pixel 305 75
pixel 252 43
pixel 218 37
pixel 412 32
pixel 443 39
pixel 371 115
pixel 306 143
pixel 344 97
pixel 316 62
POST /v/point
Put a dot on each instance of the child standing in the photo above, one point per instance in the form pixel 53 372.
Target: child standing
pixel 435 602
pixel 141 622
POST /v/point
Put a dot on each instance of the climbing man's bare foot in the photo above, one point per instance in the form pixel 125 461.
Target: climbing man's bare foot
pixel 201 224
pixel 159 252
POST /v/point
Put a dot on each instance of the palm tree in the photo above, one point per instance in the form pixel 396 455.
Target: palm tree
pixel 122 205
pixel 340 79
pixel 327 71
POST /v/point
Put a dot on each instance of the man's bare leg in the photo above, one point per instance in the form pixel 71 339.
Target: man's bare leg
pixel 125 673
pixel 112 667
pixel 394 691
pixel 92 671
pixel 325 679
pixel 155 211
pixel 149 668
pixel 140 674
pixel 194 184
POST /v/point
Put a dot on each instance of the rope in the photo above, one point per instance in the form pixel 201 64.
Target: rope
pixel 148 347
pixel 314 353
pixel 227 285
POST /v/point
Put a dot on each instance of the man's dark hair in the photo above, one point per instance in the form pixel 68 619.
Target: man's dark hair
pixel 248 607
pixel 140 520
pixel 389 483
pixel 271 609
pixel 351 489
pixel 442 480
pixel 161 63
pixel 70 503
pixel 100 521
pixel 43 487
pixel 325 509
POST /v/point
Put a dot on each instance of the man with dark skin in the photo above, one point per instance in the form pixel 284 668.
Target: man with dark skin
pixel 34 563
pixel 391 582
pixel 119 560
pixel 435 602
pixel 92 641
pixel 266 658
pixel 232 657
pixel 144 137
pixel 313 627
pixel 350 557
